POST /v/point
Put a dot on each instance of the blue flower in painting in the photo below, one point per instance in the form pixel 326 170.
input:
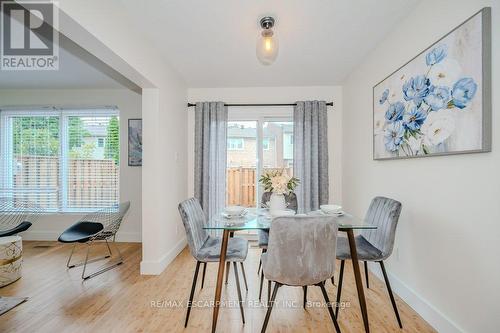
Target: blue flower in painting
pixel 416 88
pixel 393 135
pixel 395 112
pixel 385 94
pixel 463 91
pixel 438 98
pixel 414 119
pixel 436 55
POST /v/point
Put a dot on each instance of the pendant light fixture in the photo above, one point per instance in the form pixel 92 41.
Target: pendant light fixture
pixel 267 42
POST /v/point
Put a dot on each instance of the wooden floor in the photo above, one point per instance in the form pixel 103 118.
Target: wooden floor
pixel 121 300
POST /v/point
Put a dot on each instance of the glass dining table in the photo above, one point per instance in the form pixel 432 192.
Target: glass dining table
pixel 260 219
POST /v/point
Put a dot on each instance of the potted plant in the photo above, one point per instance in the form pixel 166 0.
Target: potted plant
pixel 278 183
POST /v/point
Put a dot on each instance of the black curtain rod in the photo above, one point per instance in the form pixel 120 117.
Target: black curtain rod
pixel 283 104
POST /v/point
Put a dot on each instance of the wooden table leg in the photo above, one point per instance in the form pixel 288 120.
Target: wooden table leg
pixel 357 277
pixel 220 278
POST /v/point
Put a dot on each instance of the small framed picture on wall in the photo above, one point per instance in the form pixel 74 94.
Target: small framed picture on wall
pixel 135 142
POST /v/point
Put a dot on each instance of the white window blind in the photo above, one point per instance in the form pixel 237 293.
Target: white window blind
pixel 61 160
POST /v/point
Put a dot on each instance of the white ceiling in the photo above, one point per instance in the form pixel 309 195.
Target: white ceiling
pixel 77 70
pixel 212 43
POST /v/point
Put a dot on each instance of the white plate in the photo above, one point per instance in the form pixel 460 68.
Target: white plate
pixel 335 214
pixel 328 209
pixel 230 216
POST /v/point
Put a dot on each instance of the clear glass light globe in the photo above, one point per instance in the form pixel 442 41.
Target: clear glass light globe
pixel 267 47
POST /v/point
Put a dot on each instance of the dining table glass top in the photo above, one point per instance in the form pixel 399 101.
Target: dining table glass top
pixel 260 218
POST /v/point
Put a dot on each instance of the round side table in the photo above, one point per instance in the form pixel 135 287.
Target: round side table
pixel 11 259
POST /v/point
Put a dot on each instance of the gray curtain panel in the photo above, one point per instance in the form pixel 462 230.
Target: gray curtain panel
pixel 210 156
pixel 310 157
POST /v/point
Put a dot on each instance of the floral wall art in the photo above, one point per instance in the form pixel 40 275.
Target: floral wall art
pixel 439 102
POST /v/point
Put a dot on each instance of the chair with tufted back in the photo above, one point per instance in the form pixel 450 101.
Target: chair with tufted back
pixel 205 248
pixel 376 244
pixel 301 253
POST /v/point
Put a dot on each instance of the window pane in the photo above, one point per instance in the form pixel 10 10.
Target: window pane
pixel 93 162
pixel 32 161
pixel 278 146
pixel 241 163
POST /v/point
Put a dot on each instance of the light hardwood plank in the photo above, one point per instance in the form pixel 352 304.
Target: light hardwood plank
pixel 121 300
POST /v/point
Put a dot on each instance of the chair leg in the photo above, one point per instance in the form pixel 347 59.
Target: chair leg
pixel 69 265
pixel 366 275
pixel 193 286
pixel 270 308
pixel 393 301
pixel 339 288
pixel 109 249
pixel 260 261
pixel 203 275
pixel 333 280
pixel 305 296
pixel 71 255
pixel 268 291
pixel 104 269
pixel 240 301
pixel 228 267
pixel 244 275
pixel 261 283
pixel 86 259
pixel 329 305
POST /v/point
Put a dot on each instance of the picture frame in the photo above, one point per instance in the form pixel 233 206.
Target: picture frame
pixel 135 142
pixel 439 102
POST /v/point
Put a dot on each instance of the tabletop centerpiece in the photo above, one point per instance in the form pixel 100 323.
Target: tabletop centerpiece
pixel 279 184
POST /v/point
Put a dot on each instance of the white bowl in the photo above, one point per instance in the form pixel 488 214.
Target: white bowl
pixel 330 209
pixel 279 212
pixel 234 210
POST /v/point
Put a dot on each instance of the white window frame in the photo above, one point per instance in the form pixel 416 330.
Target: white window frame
pixel 6 146
pixel 260 115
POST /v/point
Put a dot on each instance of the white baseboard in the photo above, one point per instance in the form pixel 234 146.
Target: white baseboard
pixel 426 310
pixel 155 267
pixel 38 235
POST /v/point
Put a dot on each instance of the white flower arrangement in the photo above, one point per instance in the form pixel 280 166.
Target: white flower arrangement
pixel 278 182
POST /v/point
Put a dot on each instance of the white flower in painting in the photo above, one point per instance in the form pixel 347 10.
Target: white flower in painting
pixel 379 123
pixel 438 127
pixel 415 144
pixel 445 73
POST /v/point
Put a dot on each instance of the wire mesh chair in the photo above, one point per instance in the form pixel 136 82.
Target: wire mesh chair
pixel 97 226
pixel 16 215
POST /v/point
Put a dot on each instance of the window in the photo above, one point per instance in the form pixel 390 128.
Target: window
pixel 278 158
pixel 265 144
pixel 61 160
pixel 266 134
pixel 100 142
pixel 235 144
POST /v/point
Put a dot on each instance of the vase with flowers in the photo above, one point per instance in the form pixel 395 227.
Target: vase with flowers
pixel 278 183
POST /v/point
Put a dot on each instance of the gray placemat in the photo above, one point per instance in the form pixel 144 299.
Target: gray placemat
pixel 8 303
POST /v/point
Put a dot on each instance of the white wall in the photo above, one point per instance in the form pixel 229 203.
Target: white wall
pixel 446 260
pixel 164 97
pixel 278 95
pixel 129 103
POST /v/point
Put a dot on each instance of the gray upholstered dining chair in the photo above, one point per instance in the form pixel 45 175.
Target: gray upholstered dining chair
pixel 375 244
pixel 205 248
pixel 301 252
pixel 291 201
